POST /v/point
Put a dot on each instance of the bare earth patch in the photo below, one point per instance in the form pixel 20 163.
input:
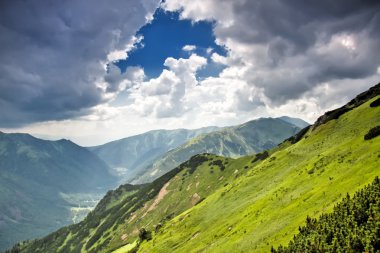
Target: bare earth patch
pixel 135 231
pixel 124 237
pixel 195 199
pixel 159 197
pixel 132 218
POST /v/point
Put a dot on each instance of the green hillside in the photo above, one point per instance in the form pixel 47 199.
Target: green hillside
pixel 352 227
pixel 119 217
pixel 128 156
pixel 267 205
pixel 248 138
pixel 45 185
pixel 249 204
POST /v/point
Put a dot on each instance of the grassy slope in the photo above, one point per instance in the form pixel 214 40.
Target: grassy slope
pixel 266 206
pixel 352 227
pixel 184 190
pixel 120 215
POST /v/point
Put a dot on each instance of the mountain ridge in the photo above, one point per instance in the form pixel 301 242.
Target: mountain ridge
pixel 250 137
pixel 127 155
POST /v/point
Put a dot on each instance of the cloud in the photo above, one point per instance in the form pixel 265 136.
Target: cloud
pixel 189 48
pixel 164 96
pixel 296 58
pixel 217 58
pixel 122 54
pixel 116 81
pixel 177 93
pixel 286 49
pixel 54 55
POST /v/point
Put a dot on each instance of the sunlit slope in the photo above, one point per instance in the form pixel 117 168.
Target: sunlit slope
pixel 353 226
pixel 267 205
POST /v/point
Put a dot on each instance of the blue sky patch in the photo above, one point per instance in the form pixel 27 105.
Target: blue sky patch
pixel 165 37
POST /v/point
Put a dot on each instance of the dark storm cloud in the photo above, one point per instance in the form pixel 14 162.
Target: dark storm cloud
pixel 299 22
pixel 53 53
pixel 305 42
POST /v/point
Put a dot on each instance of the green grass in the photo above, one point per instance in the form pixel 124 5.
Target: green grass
pixel 268 204
pixel 179 197
pixel 126 248
pixel 352 227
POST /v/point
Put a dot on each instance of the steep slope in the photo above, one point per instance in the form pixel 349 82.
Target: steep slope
pixel 268 204
pixel 248 204
pixel 40 181
pixel 129 155
pixel 122 214
pixel 249 138
pixel 352 227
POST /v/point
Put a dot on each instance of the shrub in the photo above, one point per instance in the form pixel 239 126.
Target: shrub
pixel 145 234
pixel 372 133
pixel 157 227
pixel 375 103
pixel 353 226
pixel 194 162
pixel 261 156
pixel 218 163
pixel 298 136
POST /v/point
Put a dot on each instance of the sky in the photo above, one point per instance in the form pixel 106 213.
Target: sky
pixel 96 71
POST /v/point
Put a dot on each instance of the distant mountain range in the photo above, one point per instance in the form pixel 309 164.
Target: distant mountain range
pixel 248 138
pixel 41 181
pixel 127 156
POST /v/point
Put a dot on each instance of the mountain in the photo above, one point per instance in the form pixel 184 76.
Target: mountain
pixel 295 121
pixel 270 199
pixel 249 204
pixel 249 138
pixel 128 156
pixel 41 184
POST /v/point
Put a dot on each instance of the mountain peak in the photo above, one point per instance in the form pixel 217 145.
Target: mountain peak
pixel 295 121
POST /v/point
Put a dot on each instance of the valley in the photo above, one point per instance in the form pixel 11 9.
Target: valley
pixel 43 183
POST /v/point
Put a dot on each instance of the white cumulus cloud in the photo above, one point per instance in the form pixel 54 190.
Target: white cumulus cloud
pixel 189 48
